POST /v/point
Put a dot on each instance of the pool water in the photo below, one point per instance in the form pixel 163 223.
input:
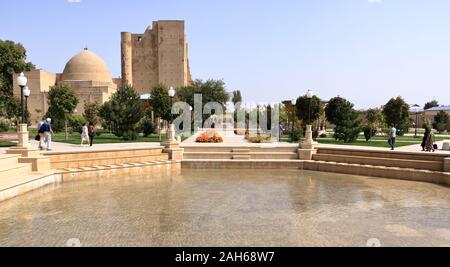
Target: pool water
pixel 230 208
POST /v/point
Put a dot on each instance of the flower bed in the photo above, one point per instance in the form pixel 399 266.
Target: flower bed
pixel 210 136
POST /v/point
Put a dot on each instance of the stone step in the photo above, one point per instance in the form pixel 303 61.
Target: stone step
pixel 382 154
pixel 17 169
pixel 17 180
pixel 9 159
pixel 242 164
pixel 227 155
pixel 16 185
pixel 90 162
pixel 379 171
pixel 387 162
pixel 55 156
pixel 242 157
pixel 240 150
pixel 253 149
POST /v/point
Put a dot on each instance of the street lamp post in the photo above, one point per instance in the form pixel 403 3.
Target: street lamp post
pixel 22 130
pixel 309 142
pixel 171 126
pixel 309 95
pixel 293 102
pixel 416 110
pixel 22 82
pixel 26 94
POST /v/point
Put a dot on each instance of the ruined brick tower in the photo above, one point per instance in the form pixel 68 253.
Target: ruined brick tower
pixel 160 55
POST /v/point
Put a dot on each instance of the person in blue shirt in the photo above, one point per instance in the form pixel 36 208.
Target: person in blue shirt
pixel 48 131
pixel 392 137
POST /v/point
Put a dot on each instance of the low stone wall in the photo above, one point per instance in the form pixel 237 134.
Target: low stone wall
pixel 74 165
pixel 78 159
pixel 242 164
pixel 167 167
pixel 37 183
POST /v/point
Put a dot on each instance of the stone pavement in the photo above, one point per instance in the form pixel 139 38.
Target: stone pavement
pixel 237 141
pixel 63 147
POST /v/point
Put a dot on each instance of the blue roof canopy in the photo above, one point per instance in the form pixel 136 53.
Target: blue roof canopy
pixel 441 108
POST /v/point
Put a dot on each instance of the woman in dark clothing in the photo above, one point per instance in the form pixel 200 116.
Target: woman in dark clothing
pixel 425 137
pixel 91 131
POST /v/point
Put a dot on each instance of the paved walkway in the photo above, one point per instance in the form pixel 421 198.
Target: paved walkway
pixel 229 138
pixel 62 147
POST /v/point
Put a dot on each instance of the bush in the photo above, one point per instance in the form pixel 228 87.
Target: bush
pixel 347 133
pixel 99 132
pixel 297 134
pixel 76 122
pixel 315 134
pixel 369 132
pixel 4 125
pixel 324 135
pixel 146 126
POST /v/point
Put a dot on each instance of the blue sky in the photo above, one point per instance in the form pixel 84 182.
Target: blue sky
pixel 365 50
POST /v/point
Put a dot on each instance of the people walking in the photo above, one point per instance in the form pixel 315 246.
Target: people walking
pixel 48 131
pixel 429 145
pixel 392 137
pixel 425 137
pixel 91 132
pixel 41 134
pixel 84 135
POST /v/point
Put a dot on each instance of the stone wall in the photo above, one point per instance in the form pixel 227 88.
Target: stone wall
pixel 160 55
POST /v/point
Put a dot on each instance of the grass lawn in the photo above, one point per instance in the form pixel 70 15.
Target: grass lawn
pixel 7 144
pixel 369 144
pixel 378 141
pixel 105 138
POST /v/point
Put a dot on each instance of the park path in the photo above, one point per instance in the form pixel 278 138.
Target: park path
pixel 229 141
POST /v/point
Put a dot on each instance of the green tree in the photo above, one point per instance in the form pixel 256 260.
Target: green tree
pixel 12 60
pixel 211 91
pixel 374 121
pixel 374 117
pixel 123 113
pixel 160 102
pixel 237 97
pixel 431 104
pixel 76 122
pixel 146 126
pixel 341 113
pixel 441 122
pixel 91 112
pixel 396 113
pixel 62 102
pixel 309 110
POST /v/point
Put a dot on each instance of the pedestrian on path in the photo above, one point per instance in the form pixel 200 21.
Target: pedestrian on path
pixel 48 131
pixel 41 134
pixel 392 137
pixel 425 137
pixel 430 147
pixel 91 132
pixel 84 135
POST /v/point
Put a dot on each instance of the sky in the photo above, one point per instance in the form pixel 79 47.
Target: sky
pixel 364 50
